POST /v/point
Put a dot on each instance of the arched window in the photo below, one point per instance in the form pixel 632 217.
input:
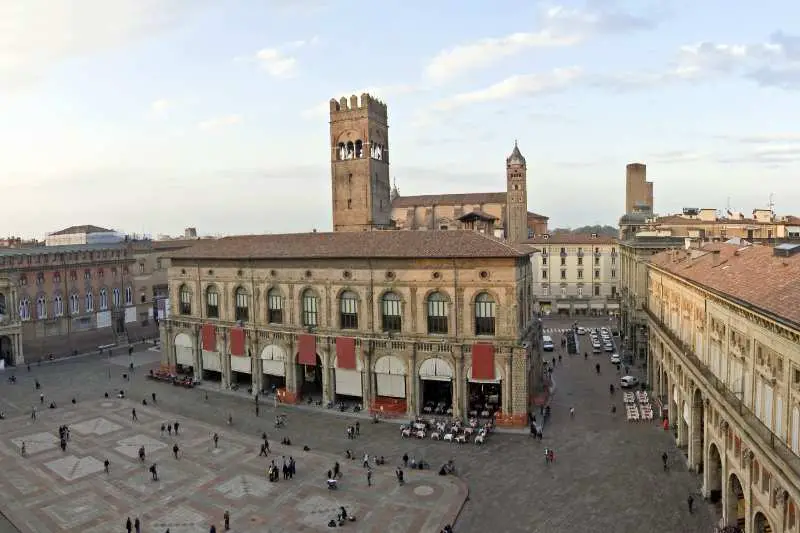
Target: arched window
pixel 437 313
pixel 185 300
pixel 212 302
pixel 310 313
pixel 89 302
pixel 242 311
pixel 128 296
pixel 103 299
pixel 58 306
pixel 484 314
pixel 391 317
pixel 348 310
pixel 24 309
pixel 274 306
pixel 359 149
pixel 2 303
pixel 115 295
pixel 74 304
pixel 41 307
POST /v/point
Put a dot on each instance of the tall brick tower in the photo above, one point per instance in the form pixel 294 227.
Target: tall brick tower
pixel 516 197
pixel 360 164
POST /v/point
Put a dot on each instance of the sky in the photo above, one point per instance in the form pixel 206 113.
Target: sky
pixel 148 116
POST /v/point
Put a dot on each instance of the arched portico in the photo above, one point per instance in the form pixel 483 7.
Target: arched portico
pixel 761 523
pixel 485 396
pixel 436 376
pixel 273 367
pixel 183 349
pixel 712 474
pixel 696 440
pixel 391 385
pixel 311 378
pixel 735 506
pixel 6 351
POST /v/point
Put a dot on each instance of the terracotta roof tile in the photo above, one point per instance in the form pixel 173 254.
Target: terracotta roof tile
pixel 428 200
pixel 343 245
pixel 532 215
pixel 477 214
pixel 752 274
pixel 571 238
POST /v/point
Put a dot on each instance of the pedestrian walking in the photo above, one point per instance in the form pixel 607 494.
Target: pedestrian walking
pixel 216 440
pixel 153 395
pixel 134 418
pixel 41 399
pixel 664 459
pixel 369 477
pixel 175 450
pixel 690 502
pixel 33 413
pixel 257 410
pixel 22 450
pixel 175 427
pixel 263 450
pixel 613 410
pixel 572 412
pixel 137 526
pixel 169 429
pixel 128 525
pixel 226 517
pixel 597 368
pixel 163 428
pixel 154 472
pixel 358 428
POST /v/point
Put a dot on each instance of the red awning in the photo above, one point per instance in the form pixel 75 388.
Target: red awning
pixel 307 349
pixel 209 334
pixel 237 341
pixel 346 353
pixel 483 361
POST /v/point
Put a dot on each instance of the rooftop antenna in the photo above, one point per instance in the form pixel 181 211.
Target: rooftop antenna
pixel 771 203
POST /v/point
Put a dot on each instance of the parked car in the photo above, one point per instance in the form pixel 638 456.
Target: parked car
pixel 626 382
pixel 581 330
pixel 547 343
pixel 615 360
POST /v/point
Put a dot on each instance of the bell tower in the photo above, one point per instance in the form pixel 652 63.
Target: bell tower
pixel 516 223
pixel 360 182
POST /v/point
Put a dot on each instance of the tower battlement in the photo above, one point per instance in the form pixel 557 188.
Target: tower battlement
pixel 367 103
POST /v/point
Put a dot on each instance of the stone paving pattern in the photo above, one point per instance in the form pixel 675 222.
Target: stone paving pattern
pixel 607 477
pixel 50 490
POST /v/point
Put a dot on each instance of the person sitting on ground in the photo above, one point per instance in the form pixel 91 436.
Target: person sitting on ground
pixel 52 405
pixel 443 471
pixel 105 395
pixel 348 454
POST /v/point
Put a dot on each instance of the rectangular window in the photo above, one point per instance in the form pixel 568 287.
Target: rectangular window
pixel 392 320
pixel 563 292
pixel 141 268
pixel 310 313
pixel 580 292
pixel 437 316
pixel 87 274
pixel 349 313
pixel 613 273
pixel 613 291
pixel 56 277
pixel 242 309
pixel 40 278
pixel 545 290
pixel 544 260
pixel 212 304
pixel 544 274
pixel 596 274
pixel 596 261
pixel 597 290
pixel 580 274
pixel 484 318
pixel 613 260
pixel 563 261
pixel 73 275
pixel 275 305
pixel 580 261
pixel 563 274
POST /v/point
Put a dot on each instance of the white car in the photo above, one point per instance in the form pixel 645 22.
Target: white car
pixel 581 331
pixel 626 382
pixel 615 360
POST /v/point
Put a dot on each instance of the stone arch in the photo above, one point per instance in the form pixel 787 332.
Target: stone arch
pixel 499 371
pixel 6 350
pixel 183 339
pixel 697 428
pixel 713 473
pixel 761 523
pixel 439 290
pixel 275 287
pixel 3 303
pixel 392 291
pixel 184 349
pixel 735 503
pixel 273 359
pixel 390 364
pixel 359 363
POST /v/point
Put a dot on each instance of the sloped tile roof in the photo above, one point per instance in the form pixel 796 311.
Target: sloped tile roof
pixel 86 228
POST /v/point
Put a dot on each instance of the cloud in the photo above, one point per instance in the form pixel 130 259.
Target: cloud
pixel 36 35
pixel 676 157
pixel 321 109
pixel 220 122
pixel 773 149
pixel 558 27
pixel 161 106
pixel 515 86
pixel 277 61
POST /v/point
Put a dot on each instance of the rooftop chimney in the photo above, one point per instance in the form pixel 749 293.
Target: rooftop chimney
pixel 716 258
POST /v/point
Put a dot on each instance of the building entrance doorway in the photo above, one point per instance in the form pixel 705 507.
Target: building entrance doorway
pixel 311 380
pixel 436 386
pixel 273 369
pixel 6 351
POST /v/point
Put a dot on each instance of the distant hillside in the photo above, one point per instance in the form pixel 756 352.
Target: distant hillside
pixel 611 231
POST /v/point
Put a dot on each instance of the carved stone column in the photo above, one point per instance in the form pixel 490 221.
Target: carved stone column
pixel 412 383
pixel 225 360
pixel 292 379
pixel 256 374
pixel 197 353
pixel 459 382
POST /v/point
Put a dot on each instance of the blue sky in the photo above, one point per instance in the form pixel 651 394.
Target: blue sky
pixel 153 115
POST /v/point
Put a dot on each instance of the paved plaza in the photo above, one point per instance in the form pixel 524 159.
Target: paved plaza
pixel 607 476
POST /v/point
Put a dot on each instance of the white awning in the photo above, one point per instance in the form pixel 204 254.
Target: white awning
pixel 597 306
pixel 581 305
pixel 390 364
pixel 613 306
pixel 436 369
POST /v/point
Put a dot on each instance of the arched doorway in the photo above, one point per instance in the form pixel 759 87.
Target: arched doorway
pixel 348 386
pixel 698 431
pixel 761 523
pixel 184 352
pixel 436 386
pixel 684 420
pixel 6 351
pixel 714 474
pixel 310 380
pixel 273 368
pixel 735 504
pixel 484 396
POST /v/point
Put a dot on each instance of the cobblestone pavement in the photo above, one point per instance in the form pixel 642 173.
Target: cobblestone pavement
pixel 607 476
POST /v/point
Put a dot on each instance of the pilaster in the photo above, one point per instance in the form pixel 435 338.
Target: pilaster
pixel 197 353
pixel 459 382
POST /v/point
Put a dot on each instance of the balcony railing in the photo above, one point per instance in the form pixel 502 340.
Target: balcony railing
pixel 755 429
